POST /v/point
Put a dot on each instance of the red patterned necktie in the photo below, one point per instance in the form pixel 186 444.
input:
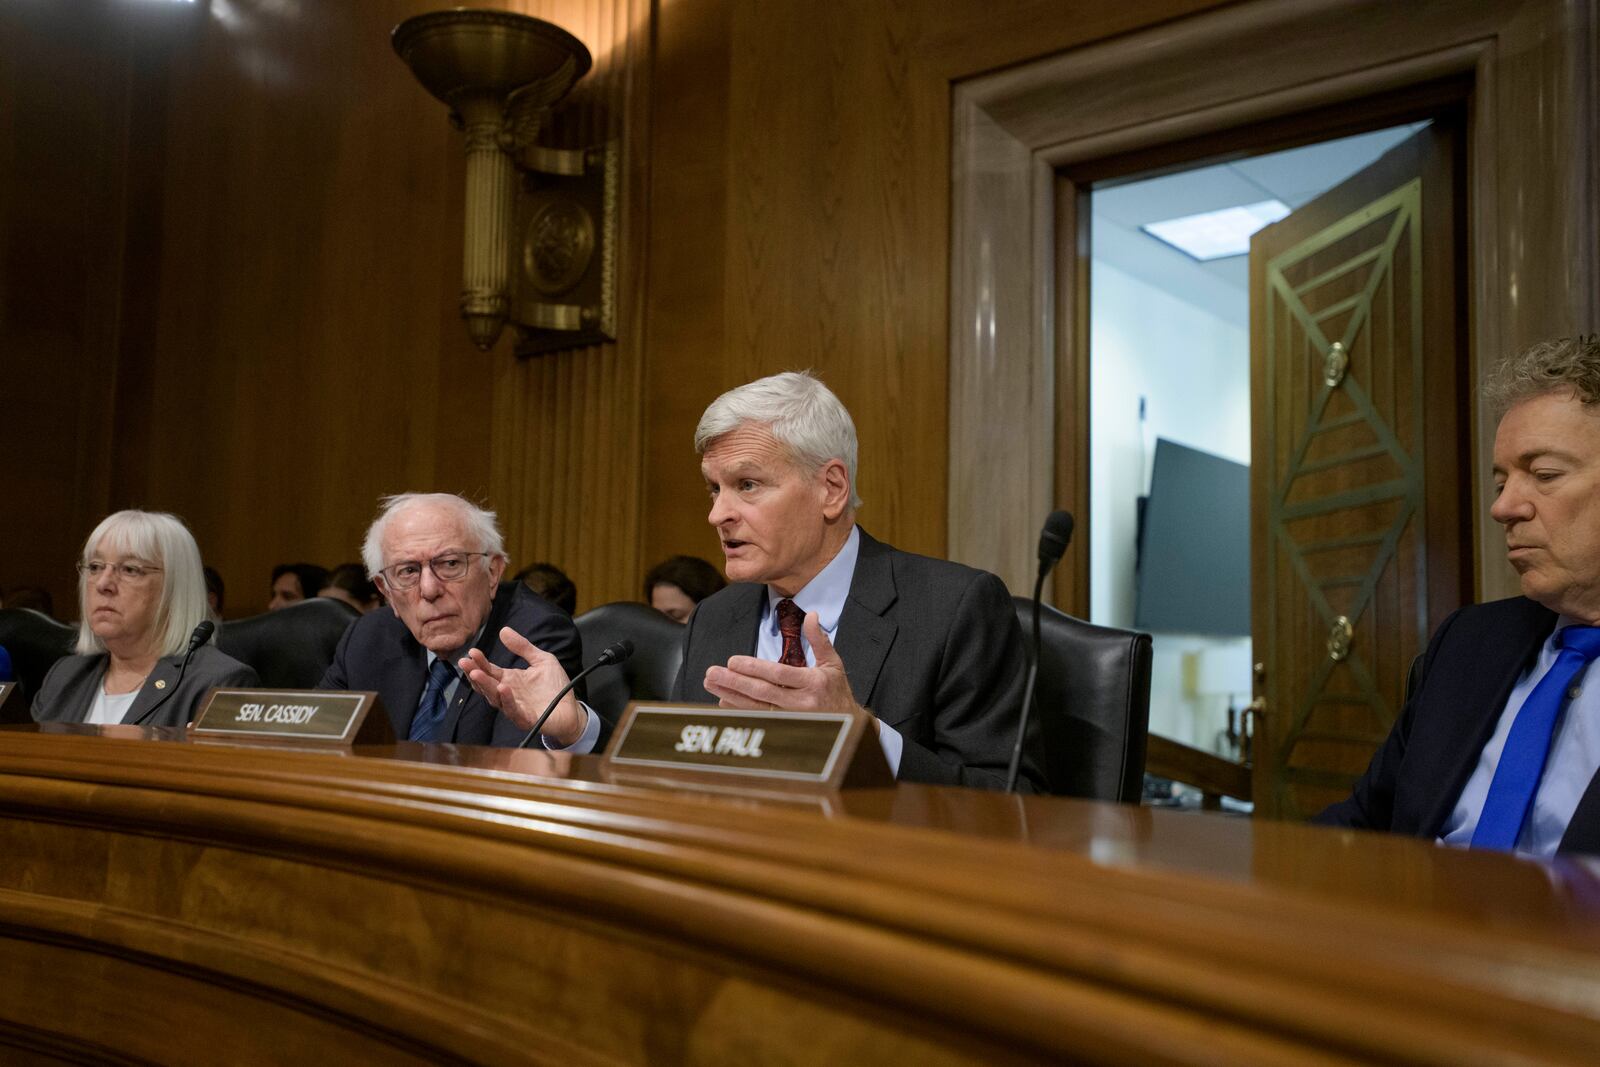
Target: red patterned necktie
pixel 789 619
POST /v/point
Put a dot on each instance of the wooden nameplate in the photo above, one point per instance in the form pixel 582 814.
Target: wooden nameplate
pixel 791 751
pixel 292 716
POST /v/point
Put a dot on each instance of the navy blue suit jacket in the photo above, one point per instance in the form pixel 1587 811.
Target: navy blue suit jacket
pixel 378 652
pixel 1468 671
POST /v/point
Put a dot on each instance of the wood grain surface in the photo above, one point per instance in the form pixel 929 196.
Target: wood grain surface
pixel 525 912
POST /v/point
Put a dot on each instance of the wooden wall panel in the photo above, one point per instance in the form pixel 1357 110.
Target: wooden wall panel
pixel 283 308
pixel 67 105
pixel 822 241
pixel 565 466
pixel 685 322
pixel 835 155
pixel 309 357
pixel 818 248
pixel 309 354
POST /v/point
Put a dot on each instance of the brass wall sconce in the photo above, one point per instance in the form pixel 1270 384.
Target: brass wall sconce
pixel 539 244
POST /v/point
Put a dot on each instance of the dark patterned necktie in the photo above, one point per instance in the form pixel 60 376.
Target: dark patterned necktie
pixel 789 619
pixel 1516 776
pixel 428 722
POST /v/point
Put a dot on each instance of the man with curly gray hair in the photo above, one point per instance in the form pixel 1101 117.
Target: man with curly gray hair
pixel 1499 744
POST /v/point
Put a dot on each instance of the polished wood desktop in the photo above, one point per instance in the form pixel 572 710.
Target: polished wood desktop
pixel 182 902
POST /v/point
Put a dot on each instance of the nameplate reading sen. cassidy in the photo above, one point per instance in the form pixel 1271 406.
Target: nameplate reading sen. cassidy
pixel 302 715
pixel 806 748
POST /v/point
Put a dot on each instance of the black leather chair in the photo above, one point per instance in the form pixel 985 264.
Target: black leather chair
pixel 1092 703
pixel 646 675
pixel 34 642
pixel 292 647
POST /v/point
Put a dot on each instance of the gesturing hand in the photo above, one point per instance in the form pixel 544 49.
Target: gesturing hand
pixel 521 695
pixel 748 682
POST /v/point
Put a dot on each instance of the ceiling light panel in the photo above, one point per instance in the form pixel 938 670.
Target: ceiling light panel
pixel 1217 234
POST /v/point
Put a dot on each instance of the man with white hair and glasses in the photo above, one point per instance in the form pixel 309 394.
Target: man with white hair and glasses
pixel 438 559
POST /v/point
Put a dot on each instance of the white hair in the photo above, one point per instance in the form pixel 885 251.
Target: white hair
pixel 480 525
pixel 165 541
pixel 801 412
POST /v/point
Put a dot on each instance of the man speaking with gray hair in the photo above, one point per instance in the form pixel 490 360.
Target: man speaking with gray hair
pixel 822 616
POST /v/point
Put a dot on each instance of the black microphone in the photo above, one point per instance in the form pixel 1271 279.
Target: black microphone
pixel 201 635
pixel 1054 540
pixel 1052 546
pixel 615 653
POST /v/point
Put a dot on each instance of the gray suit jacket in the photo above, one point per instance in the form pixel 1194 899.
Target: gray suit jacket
pixel 931 647
pixel 69 689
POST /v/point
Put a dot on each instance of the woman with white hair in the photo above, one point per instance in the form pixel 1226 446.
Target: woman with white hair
pixel 141 593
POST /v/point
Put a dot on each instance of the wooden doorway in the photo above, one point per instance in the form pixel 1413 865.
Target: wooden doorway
pixel 1361 531
pixel 1020 137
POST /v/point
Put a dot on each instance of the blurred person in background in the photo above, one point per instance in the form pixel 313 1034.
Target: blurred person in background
pixel 216 592
pixel 294 582
pixel 348 582
pixel 33 598
pixel 674 586
pixel 552 583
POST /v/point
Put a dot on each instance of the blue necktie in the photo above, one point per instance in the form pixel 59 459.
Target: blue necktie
pixel 1516 777
pixel 427 723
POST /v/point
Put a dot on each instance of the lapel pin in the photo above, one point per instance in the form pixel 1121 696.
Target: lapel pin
pixel 161 683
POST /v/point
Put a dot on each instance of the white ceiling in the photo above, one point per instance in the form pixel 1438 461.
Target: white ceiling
pixel 1296 177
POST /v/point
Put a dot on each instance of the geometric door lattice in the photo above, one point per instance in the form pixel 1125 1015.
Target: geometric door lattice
pixel 1346 571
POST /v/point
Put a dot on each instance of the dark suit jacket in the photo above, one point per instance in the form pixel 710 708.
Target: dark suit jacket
pixel 68 691
pixel 377 652
pixel 1468 672
pixel 931 647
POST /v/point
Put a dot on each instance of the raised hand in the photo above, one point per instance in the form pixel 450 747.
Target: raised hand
pixel 522 694
pixel 748 682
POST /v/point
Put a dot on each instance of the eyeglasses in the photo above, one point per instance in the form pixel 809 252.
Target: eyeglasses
pixel 127 569
pixel 450 567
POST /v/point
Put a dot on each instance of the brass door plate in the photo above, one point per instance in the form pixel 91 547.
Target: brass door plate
pixel 1339 638
pixel 564 269
pixel 1334 364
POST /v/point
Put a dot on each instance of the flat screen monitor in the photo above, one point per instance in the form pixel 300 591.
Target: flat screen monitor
pixel 1194 545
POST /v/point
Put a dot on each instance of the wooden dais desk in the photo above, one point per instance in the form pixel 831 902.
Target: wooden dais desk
pixel 205 903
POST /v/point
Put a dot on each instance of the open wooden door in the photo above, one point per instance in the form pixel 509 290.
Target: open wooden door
pixel 1360 536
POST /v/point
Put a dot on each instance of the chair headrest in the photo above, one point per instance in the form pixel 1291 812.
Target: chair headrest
pixel 290 647
pixel 657 653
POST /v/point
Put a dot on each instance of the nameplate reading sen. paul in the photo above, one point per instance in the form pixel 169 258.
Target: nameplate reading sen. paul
pixel 299 715
pixel 821 749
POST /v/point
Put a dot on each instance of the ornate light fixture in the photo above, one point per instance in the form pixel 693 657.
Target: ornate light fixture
pixel 500 73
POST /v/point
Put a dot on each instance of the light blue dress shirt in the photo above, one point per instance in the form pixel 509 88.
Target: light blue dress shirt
pixel 826 595
pixel 1574 758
